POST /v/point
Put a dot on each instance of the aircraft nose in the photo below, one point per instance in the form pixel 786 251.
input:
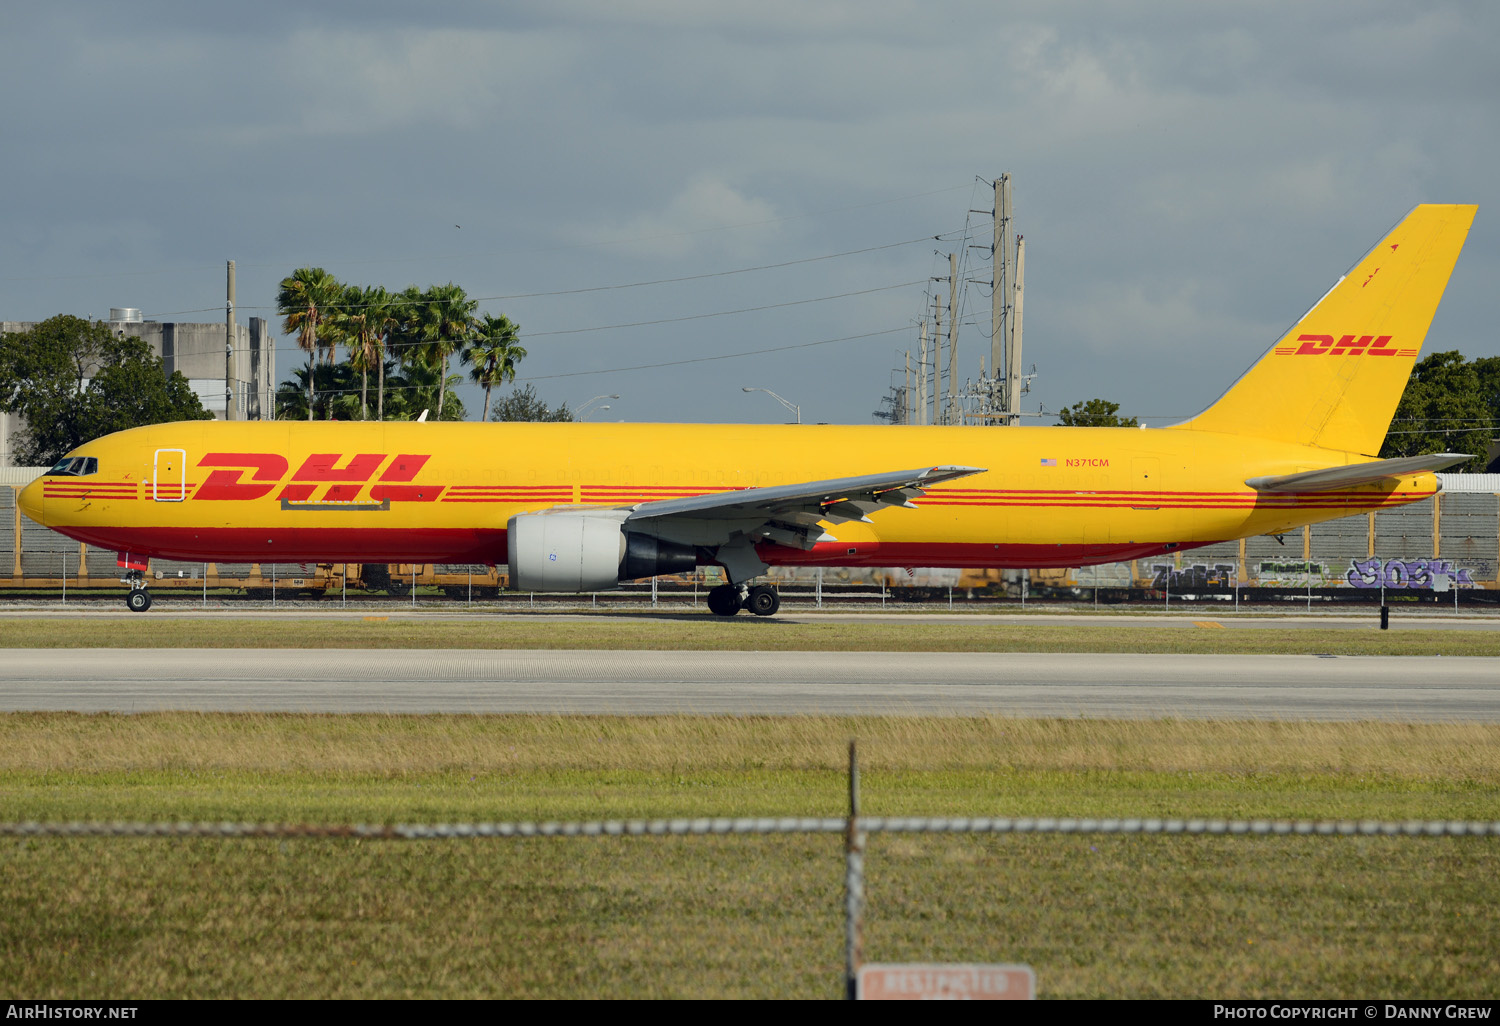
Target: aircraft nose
pixel 30 501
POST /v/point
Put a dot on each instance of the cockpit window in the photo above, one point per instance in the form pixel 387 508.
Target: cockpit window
pixel 75 466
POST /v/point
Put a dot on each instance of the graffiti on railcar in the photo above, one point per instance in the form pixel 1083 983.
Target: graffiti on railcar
pixel 1407 573
pixel 1198 577
pixel 1296 574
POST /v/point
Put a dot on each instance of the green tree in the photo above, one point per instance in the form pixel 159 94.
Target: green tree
pixel 333 390
pixel 364 319
pixel 524 404
pixel 306 299
pixel 382 320
pixel 1449 405
pixel 443 323
pixel 1094 413
pixel 493 354
pixel 405 340
pixel 417 388
pixel 74 380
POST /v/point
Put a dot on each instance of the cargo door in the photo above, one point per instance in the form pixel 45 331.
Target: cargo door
pixel 169 475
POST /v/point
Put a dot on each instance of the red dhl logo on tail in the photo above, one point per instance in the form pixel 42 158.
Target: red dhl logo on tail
pixel 254 475
pixel 1344 345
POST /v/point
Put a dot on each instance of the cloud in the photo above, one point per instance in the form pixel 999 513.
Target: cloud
pixel 707 215
pixel 1189 177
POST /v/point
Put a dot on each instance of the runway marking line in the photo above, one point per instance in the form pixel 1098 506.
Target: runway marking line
pixel 370 619
pixel 1208 623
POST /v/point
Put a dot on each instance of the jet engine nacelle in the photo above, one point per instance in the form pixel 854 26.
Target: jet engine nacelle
pixel 587 552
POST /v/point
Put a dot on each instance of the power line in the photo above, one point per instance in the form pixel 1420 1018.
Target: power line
pixel 710 359
pixel 396 301
pixel 726 313
pixel 301 387
pixel 418 343
pixel 491 253
pixel 714 274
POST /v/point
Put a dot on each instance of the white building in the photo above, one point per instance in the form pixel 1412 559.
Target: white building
pixel 197 351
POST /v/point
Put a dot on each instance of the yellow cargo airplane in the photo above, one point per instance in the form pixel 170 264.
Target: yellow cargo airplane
pixel 580 507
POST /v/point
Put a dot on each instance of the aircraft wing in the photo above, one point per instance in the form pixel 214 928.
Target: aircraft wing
pixel 1356 474
pixel 790 514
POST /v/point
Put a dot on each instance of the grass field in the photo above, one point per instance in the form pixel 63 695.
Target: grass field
pixel 683 632
pixel 747 917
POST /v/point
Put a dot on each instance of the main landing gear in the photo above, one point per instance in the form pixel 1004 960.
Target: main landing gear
pixel 728 599
pixel 139 599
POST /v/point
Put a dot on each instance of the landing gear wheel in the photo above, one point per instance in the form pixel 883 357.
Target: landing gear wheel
pixel 763 600
pixel 139 600
pixel 724 600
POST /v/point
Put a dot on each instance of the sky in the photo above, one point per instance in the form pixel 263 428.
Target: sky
pixel 1189 178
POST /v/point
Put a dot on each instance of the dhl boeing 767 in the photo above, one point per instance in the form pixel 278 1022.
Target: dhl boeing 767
pixel 579 507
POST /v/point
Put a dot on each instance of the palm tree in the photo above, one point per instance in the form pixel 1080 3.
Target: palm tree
pixel 305 299
pixel 417 387
pixel 494 354
pixel 363 319
pixel 445 319
pixel 404 339
pixel 334 387
pixel 383 320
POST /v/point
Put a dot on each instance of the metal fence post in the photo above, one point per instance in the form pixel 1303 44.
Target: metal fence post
pixel 854 885
pixel 820 587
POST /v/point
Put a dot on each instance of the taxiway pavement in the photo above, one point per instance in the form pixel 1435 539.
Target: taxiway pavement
pixel 1290 687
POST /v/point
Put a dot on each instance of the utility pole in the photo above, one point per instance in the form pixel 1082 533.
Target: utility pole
pixel 922 376
pixel 1000 295
pixel 906 395
pixel 229 346
pixel 937 359
pixel 952 338
pixel 1017 378
pixel 997 293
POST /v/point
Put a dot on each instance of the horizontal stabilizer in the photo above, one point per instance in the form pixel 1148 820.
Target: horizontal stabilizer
pixel 1357 473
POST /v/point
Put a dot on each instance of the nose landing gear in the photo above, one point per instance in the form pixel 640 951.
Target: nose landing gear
pixel 139 599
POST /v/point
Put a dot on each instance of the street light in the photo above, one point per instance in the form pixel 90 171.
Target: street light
pixel 796 410
pixel 583 409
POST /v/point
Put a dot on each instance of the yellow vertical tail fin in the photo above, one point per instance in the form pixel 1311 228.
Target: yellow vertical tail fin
pixel 1335 378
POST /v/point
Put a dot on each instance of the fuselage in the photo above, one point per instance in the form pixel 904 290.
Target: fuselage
pixel 443 492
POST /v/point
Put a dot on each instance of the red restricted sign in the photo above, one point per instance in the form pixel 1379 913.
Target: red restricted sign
pixel 946 983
